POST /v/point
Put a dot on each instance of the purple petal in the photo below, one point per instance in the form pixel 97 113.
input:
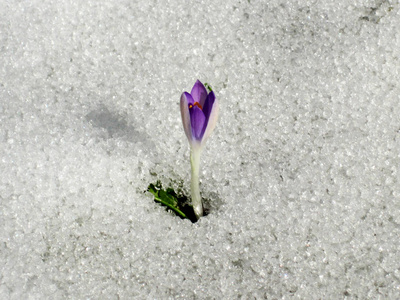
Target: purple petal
pixel 197 119
pixel 212 119
pixel 208 105
pixel 199 93
pixel 185 114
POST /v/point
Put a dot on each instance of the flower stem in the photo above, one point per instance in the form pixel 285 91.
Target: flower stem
pixel 195 190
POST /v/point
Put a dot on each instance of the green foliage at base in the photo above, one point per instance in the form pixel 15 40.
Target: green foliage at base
pixel 169 198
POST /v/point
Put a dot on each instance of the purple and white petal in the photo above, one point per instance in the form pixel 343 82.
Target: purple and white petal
pixel 189 98
pixel 185 114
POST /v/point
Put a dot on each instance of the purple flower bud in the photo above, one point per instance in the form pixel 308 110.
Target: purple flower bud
pixel 199 112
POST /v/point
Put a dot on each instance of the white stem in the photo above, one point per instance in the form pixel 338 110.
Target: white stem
pixel 195 190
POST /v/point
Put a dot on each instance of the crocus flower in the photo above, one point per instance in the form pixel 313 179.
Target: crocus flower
pixel 199 112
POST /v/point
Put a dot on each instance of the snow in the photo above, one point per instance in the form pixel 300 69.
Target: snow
pixel 301 174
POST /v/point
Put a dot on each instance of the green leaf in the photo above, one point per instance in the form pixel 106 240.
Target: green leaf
pixel 166 197
pixel 152 189
pixel 208 87
pixel 171 200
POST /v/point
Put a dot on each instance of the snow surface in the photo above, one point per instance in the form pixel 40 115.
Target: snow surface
pixel 302 171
